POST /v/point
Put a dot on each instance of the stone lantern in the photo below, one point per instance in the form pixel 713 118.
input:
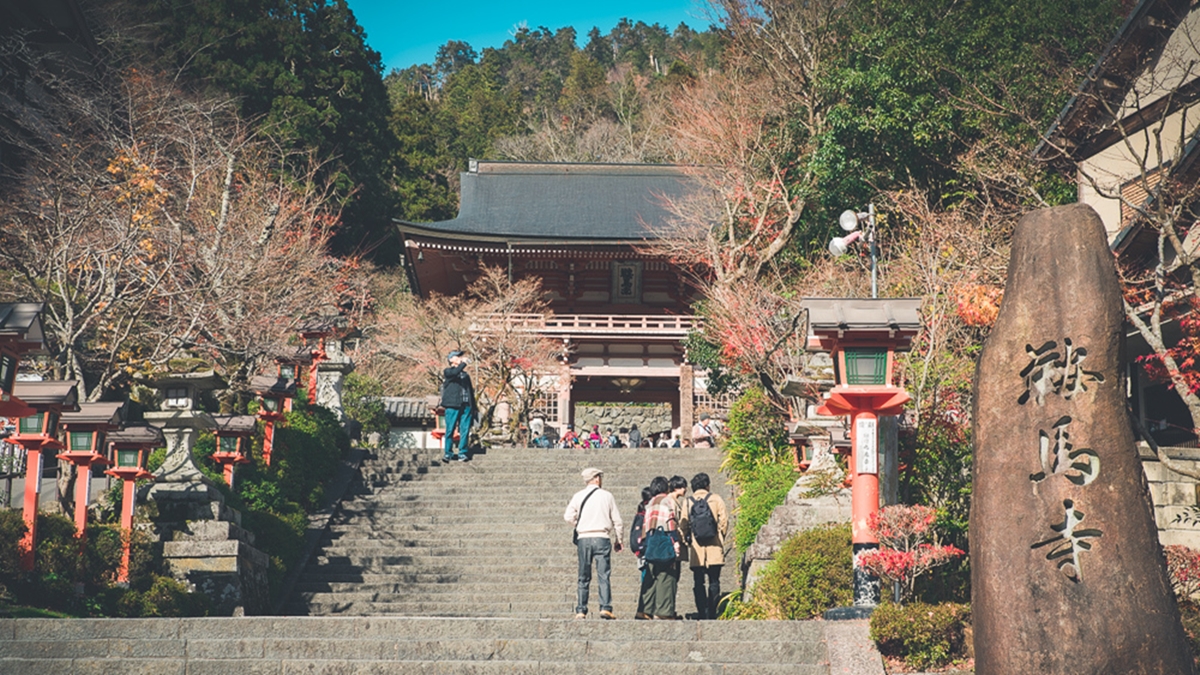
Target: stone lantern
pixel 272 393
pixel 129 449
pixel 863 337
pixel 233 434
pixel 37 434
pixel 181 490
pixel 85 432
pixel 203 542
pixel 20 333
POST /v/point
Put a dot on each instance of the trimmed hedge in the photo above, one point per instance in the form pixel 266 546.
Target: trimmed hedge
pixel 923 636
pixel 812 572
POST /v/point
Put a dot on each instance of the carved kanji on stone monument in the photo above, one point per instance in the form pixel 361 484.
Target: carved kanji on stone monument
pixel 1067 573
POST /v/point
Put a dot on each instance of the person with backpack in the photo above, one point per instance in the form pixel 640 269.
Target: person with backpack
pixel 663 548
pixel 637 544
pixel 705 527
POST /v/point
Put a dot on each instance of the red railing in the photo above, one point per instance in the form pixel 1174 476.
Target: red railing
pixel 602 324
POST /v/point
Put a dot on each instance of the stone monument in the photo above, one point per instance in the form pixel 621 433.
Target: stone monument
pixel 1067 573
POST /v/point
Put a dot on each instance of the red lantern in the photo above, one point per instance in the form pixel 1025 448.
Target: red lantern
pixel 129 450
pixel 85 435
pixel 37 434
pixel 233 434
pixel 272 393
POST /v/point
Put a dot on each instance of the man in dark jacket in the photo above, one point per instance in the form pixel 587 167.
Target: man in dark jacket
pixel 458 398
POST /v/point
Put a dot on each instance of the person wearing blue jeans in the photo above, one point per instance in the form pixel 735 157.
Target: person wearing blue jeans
pixel 597 522
pixel 458 399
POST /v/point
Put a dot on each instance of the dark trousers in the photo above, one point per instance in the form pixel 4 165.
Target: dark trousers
pixel 658 589
pixel 706 602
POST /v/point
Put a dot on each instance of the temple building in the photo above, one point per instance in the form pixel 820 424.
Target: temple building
pixel 620 307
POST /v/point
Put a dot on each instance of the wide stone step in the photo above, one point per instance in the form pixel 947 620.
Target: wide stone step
pixel 384 644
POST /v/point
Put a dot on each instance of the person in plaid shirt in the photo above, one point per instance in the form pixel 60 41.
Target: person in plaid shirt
pixel 662 579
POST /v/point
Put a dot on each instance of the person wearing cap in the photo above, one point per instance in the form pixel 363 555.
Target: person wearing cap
pixel 597 522
pixel 458 399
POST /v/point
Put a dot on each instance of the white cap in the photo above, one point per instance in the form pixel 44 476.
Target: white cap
pixel 590 473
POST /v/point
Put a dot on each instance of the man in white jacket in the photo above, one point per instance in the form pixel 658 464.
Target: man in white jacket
pixel 593 513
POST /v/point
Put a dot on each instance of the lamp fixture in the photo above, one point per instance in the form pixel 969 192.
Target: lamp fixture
pixel 849 221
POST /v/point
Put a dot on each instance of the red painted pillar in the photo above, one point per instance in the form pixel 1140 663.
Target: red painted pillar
pixel 268 441
pixel 229 474
pixel 864 500
pixel 128 496
pixel 83 484
pixel 33 489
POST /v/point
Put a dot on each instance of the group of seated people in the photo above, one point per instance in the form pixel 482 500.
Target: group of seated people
pixel 543 435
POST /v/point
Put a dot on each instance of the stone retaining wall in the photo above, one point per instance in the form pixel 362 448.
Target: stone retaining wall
pixel 649 418
pixel 1173 495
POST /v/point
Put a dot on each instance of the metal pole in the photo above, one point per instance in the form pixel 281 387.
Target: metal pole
pixel 874 251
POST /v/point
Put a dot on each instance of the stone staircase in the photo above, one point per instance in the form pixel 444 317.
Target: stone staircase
pixel 464 568
pixel 484 538
pixel 385 645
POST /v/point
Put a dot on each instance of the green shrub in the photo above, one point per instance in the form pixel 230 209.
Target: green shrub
pixel 757 434
pixel 761 488
pixel 164 597
pixel 362 402
pixel 12 528
pixel 280 536
pixel 811 572
pixel 923 636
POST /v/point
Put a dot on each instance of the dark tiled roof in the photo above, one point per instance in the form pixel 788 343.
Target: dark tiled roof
pixel 235 424
pixel 23 321
pixel 518 201
pixel 409 409
pixel 140 434
pixel 95 414
pixel 49 392
pixel 271 384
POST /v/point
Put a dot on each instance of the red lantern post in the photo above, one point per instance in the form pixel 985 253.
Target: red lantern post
pixel 272 394
pixel 37 434
pixel 233 434
pixel 294 367
pixel 85 433
pixel 314 334
pixel 863 336
pixel 130 448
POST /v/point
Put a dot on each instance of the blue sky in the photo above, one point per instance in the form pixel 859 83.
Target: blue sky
pixel 406 33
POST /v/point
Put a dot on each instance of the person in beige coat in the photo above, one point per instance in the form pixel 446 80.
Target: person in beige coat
pixel 707 556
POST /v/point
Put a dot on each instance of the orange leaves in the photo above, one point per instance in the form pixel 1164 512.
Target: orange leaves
pixel 978 305
pixel 138 185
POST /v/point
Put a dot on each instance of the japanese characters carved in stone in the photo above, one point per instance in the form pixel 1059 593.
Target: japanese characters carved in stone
pixel 1067 574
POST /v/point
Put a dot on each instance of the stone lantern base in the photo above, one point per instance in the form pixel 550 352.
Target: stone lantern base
pixel 204 544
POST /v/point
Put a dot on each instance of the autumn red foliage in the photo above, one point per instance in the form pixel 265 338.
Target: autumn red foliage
pixel 907 547
pixel 1183 566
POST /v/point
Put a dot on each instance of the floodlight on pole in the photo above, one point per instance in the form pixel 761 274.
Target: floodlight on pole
pixel 849 221
pixel 839 245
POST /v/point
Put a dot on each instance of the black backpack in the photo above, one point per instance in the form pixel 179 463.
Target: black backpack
pixel 701 521
pixel 636 545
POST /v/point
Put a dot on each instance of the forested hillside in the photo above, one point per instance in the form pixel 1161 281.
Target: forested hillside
pixel 795 111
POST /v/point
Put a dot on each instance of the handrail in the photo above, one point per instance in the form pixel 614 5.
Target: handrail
pixel 600 323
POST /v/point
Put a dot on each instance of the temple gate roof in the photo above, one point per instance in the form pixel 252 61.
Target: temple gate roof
pixel 536 202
